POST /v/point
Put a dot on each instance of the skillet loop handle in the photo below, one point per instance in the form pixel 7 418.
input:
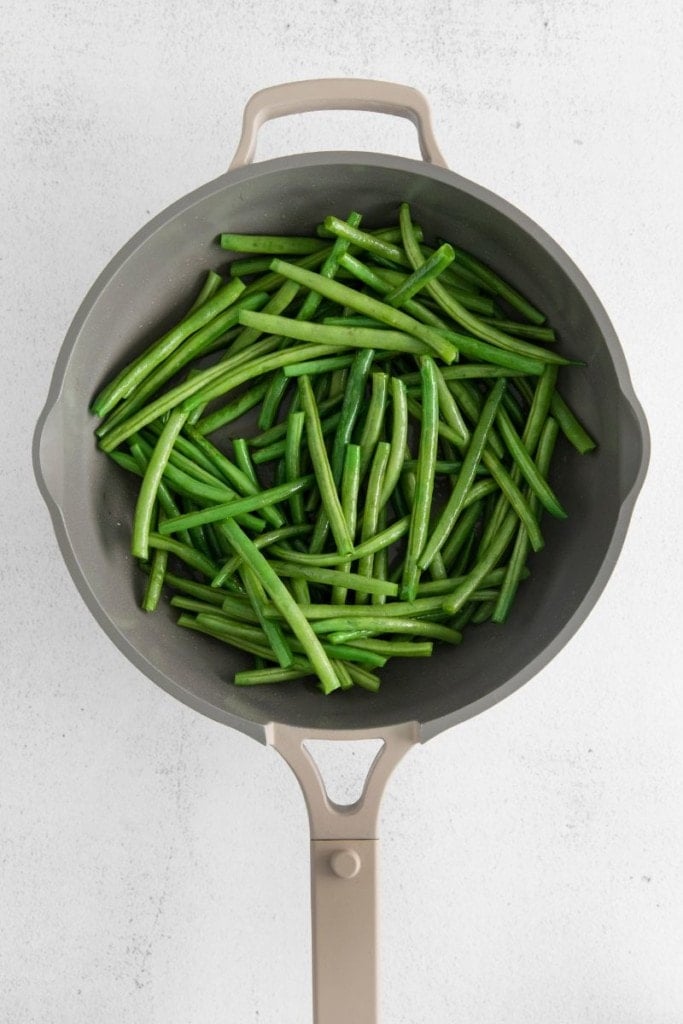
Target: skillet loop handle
pixel 336 94
pixel 344 850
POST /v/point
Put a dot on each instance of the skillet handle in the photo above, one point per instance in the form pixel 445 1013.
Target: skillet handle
pixel 336 94
pixel 344 848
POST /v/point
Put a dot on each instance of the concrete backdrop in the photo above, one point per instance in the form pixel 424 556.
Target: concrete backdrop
pixel 154 864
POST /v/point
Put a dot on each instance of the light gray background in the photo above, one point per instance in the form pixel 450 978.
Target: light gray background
pixel 154 864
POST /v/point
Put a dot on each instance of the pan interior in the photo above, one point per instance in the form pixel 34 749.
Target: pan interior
pixel 148 285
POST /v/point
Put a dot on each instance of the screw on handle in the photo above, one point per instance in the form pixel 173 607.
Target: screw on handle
pixel 336 94
pixel 344 852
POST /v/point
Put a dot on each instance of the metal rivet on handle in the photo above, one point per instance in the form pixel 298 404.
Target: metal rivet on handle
pixel 345 863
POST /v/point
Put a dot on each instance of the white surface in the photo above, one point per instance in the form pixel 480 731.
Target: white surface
pixel 154 864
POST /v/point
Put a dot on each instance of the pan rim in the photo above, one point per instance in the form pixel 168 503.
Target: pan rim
pixel 51 410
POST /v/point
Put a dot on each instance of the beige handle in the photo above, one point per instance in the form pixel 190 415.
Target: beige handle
pixel 344 848
pixel 336 94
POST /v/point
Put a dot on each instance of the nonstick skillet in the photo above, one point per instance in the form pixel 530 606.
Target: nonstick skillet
pixel 90 501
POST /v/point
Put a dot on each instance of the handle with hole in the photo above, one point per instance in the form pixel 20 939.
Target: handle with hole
pixel 344 847
pixel 336 94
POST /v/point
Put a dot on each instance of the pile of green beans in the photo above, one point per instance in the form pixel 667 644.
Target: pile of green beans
pixel 344 450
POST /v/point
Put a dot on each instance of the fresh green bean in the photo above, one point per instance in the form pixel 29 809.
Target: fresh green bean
pixel 130 376
pixel 370 307
pixel 475 450
pixel 322 470
pixel 431 268
pixel 283 244
pixel 499 286
pixel 519 452
pixel 364 240
pixel 374 420
pixel 144 507
pixel 462 316
pixel 285 603
pixel 370 519
pixel 422 504
pixel 516 566
pixel 328 269
pixel 399 439
pixel 349 502
pixel 273 537
pixel 351 335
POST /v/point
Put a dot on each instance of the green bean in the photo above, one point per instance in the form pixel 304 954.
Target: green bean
pixel 219 628
pixel 396 648
pixel 194 589
pixel 343 674
pixel 130 376
pixel 546 334
pixel 463 592
pixel 276 638
pixel 241 481
pixel 212 282
pixel 431 268
pixel 469 299
pixel 250 265
pixel 475 450
pixel 292 461
pixel 265 540
pixel 370 307
pixel 470 401
pixel 328 269
pixel 374 420
pixel 369 522
pixel 361 677
pixel 274 393
pixel 419 520
pixel 318 365
pixel 230 509
pixel 155 581
pixel 354 321
pixel 277 304
pixel 516 566
pixel 527 467
pixel 462 316
pixel 216 385
pixel 497 285
pixel 462 532
pixel 351 405
pixel 198 344
pixel 186 553
pixel 449 408
pixel 277 450
pixel 388 624
pixel 513 495
pixel 386 538
pixel 278 431
pixel 570 426
pixel 371 243
pixel 283 244
pixel 198 537
pixel 269 282
pixel 264 676
pixel 335 577
pixel 199 607
pixel 144 506
pixel 399 439
pixel 349 503
pixel 285 604
pixel 339 337
pixel 322 470
pixel 192 387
